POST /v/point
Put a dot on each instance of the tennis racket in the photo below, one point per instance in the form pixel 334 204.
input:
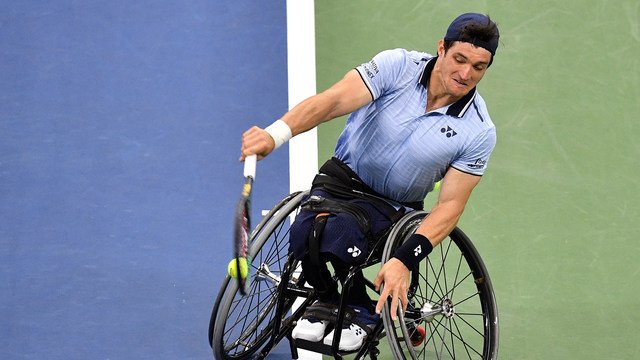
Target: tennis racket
pixel 242 226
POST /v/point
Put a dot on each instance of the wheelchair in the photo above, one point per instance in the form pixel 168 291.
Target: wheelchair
pixel 452 309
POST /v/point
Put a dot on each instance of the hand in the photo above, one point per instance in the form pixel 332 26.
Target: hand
pixel 256 141
pixel 395 277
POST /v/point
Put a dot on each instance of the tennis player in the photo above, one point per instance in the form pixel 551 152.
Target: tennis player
pixel 415 119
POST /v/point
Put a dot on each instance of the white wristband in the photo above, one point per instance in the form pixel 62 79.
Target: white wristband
pixel 280 132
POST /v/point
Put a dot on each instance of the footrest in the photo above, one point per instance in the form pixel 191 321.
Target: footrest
pixel 320 347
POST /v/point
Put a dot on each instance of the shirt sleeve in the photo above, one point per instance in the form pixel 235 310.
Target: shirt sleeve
pixel 475 158
pixel 384 72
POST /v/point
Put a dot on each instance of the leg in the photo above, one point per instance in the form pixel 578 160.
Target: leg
pixel 319 277
pixel 358 293
pixel 314 264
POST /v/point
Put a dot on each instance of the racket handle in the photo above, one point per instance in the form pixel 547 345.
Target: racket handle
pixel 250 166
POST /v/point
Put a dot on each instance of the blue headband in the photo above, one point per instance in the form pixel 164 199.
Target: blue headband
pixel 454 32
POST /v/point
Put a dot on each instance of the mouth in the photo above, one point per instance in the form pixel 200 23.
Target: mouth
pixel 460 83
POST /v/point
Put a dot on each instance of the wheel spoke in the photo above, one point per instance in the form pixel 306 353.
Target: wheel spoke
pixel 455 307
pixel 467 347
pixel 244 323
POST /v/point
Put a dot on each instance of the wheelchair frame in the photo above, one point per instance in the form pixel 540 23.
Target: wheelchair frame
pixel 433 305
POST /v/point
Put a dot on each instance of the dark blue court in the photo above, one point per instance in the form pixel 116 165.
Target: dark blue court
pixel 119 141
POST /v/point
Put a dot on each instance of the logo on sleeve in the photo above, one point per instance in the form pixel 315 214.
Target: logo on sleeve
pixel 374 66
pixel 371 69
pixel 478 164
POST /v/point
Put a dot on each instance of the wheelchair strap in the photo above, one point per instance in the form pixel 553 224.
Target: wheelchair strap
pixel 329 312
pixel 328 184
pixel 335 175
pixel 321 204
pixel 314 239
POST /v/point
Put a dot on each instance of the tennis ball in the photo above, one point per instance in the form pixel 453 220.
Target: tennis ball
pixel 233 268
pixel 437 186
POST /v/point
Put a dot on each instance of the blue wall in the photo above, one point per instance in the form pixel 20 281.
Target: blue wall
pixel 119 138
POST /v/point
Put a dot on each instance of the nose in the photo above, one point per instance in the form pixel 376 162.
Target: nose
pixel 465 72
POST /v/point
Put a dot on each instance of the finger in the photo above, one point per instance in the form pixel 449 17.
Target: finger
pixel 257 141
pixel 394 307
pixel 250 136
pixel 378 280
pixel 255 134
pixel 243 157
pixel 379 305
pixel 244 152
pixel 252 131
pixel 381 301
pixel 404 301
pixel 248 149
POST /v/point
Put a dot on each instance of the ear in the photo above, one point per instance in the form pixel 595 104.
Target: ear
pixel 441 47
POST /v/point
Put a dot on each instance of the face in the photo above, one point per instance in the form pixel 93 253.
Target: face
pixel 462 67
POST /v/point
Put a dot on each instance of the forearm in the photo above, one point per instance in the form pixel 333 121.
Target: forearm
pixel 454 193
pixel 435 227
pixel 442 219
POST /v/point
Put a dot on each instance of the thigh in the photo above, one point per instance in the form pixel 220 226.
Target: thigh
pixel 344 235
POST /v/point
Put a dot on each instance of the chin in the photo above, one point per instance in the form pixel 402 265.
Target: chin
pixel 458 91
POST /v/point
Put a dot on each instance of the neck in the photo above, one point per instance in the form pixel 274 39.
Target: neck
pixel 437 95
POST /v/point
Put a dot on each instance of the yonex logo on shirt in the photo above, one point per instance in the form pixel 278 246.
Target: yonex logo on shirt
pixel 449 132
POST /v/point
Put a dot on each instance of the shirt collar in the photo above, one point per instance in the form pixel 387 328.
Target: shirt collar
pixel 458 108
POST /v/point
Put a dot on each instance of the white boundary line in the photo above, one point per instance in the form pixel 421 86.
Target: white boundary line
pixel 301 58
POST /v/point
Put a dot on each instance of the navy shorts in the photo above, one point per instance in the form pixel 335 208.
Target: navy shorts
pixel 342 236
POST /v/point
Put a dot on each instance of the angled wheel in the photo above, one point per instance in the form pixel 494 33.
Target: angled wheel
pixel 452 311
pixel 241 325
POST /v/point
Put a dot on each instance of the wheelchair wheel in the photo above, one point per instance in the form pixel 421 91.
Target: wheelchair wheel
pixel 241 325
pixel 452 311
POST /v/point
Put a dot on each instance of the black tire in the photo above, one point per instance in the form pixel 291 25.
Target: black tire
pixel 454 284
pixel 241 325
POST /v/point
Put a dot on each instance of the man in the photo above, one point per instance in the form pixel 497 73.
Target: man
pixel 415 119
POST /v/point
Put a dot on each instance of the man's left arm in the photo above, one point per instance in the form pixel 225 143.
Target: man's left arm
pixel 454 193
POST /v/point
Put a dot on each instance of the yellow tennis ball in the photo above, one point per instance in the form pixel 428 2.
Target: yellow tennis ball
pixel 437 186
pixel 233 268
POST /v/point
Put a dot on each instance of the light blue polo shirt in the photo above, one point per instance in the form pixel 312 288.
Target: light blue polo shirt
pixel 399 149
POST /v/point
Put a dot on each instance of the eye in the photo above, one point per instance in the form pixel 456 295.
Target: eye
pixel 479 67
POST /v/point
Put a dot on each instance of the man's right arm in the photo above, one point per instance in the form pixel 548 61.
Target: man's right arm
pixel 345 96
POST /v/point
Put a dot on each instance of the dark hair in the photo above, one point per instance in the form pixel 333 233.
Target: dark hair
pixel 476 32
